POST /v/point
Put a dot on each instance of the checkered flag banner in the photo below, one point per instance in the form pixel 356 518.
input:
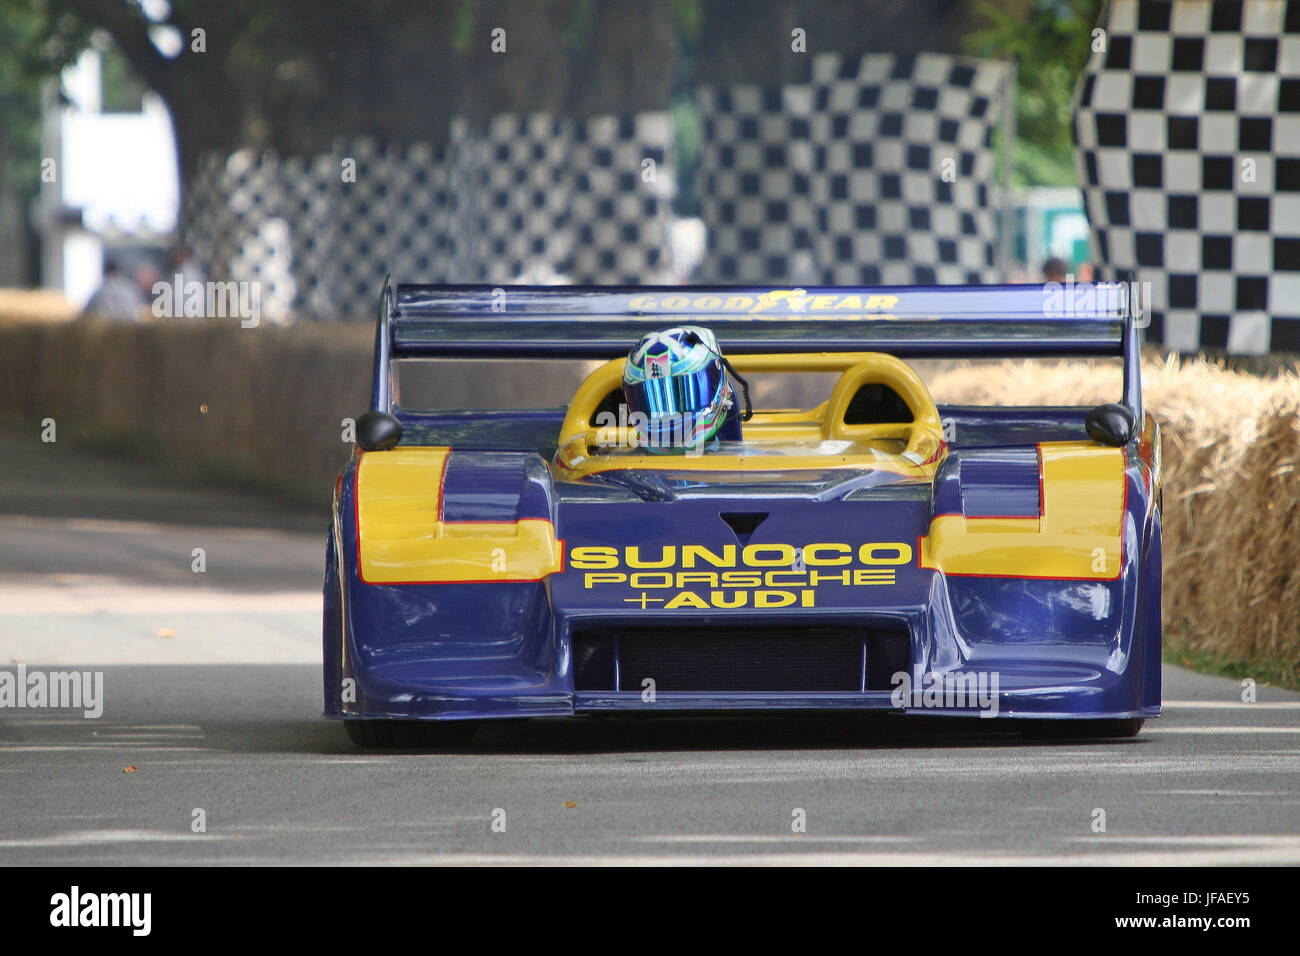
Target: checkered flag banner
pixel 881 170
pixel 1188 135
pixel 318 243
pixel 513 196
pixel 905 169
pixel 389 217
pixel 245 235
pixel 756 184
pixel 622 189
pixel 519 198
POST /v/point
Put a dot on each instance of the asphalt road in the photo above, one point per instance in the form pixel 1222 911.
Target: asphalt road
pixel 211 702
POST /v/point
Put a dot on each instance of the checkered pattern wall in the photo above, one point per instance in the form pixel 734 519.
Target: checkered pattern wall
pixel 525 198
pixel 513 196
pixel 887 129
pixel 622 198
pixel 880 170
pixel 1188 133
pixel 245 234
pixel 320 245
pixel 756 184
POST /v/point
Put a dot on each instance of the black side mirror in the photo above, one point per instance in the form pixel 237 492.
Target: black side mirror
pixel 378 431
pixel 1110 424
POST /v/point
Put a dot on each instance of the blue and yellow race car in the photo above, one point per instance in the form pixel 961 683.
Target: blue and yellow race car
pixel 872 552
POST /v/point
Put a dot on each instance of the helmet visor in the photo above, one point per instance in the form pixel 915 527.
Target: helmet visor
pixel 682 394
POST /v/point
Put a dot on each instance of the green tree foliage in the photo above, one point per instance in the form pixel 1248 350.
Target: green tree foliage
pixel 35 43
pixel 1050 46
pixel 293 75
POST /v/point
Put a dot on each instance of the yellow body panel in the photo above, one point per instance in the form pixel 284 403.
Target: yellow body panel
pixel 1078 535
pixel 403 540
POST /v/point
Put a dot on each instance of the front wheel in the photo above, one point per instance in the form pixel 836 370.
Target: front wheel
pixel 387 734
pixel 1081 729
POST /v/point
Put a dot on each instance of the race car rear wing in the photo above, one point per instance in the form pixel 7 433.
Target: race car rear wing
pixel 603 322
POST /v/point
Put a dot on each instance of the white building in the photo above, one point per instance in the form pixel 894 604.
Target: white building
pixel 112 185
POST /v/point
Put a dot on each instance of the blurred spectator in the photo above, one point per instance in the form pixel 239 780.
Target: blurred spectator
pixel 118 297
pixel 181 261
pixel 145 278
pixel 1086 272
pixel 1054 270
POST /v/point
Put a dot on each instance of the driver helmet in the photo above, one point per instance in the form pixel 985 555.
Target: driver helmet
pixel 675 383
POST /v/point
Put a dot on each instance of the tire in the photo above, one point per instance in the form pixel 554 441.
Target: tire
pixel 1113 728
pixel 390 734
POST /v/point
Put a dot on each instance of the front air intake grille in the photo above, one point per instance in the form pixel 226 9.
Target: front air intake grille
pixel 752 659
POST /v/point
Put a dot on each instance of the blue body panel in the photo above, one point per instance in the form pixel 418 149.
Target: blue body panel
pixel 1060 648
pixel 563 645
